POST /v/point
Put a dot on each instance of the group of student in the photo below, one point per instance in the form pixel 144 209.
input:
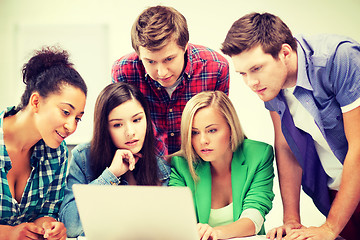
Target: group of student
pixel 167 120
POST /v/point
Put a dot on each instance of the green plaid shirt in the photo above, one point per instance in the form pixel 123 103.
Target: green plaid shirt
pixel 44 190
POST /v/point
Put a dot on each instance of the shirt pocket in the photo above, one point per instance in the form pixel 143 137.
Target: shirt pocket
pixel 333 124
pixel 331 117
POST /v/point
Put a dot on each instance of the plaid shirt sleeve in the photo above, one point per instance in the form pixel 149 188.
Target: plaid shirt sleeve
pixel 223 77
pixel 128 68
pixel 207 69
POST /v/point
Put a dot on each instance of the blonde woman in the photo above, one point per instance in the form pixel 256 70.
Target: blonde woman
pixel 231 177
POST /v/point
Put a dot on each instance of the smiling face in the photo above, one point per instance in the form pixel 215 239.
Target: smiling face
pixel 57 116
pixel 165 65
pixel 264 75
pixel 211 135
pixel 127 126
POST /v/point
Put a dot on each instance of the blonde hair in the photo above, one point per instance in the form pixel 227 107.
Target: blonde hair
pixel 218 100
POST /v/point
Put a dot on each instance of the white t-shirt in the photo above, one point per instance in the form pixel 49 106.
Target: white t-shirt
pixel 305 121
pixel 224 216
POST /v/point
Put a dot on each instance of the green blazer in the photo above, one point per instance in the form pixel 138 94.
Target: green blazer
pixel 252 175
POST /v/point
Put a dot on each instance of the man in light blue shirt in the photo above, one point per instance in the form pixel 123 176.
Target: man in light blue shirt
pixel 311 85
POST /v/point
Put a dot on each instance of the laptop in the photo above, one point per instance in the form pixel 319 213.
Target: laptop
pixel 136 212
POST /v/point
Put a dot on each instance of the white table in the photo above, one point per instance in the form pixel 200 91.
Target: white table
pixel 257 237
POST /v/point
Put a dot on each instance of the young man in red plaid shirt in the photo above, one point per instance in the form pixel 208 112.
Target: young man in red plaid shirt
pixel 169 70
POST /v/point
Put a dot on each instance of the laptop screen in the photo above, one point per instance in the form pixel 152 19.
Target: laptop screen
pixel 136 212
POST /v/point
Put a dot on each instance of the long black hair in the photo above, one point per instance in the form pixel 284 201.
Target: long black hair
pixel 102 148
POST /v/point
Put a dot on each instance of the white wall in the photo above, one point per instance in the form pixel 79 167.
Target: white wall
pixel 208 22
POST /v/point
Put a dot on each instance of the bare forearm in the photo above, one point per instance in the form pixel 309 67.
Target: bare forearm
pixel 241 228
pixel 289 173
pixel 347 198
pixel 349 193
pixel 5 231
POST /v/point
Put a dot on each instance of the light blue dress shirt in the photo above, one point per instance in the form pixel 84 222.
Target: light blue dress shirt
pixel 328 79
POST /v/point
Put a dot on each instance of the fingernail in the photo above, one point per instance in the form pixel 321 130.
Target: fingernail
pixel 46 235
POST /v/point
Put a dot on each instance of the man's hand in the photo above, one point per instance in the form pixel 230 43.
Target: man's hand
pixel 279 232
pixel 323 232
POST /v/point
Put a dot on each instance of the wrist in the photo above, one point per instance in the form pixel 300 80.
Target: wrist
pixel 6 232
pixel 291 219
pixel 109 177
pixel 333 229
pixel 218 233
pixel 115 173
pixel 40 221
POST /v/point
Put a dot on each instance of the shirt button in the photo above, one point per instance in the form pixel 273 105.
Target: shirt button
pixel 172 134
pixel 171 110
pixel 279 112
pixel 159 88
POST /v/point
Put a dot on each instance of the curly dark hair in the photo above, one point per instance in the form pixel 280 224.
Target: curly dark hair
pixel 47 71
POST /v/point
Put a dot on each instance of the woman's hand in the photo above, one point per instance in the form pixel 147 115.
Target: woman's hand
pixel 26 231
pixel 54 230
pixel 122 162
pixel 206 232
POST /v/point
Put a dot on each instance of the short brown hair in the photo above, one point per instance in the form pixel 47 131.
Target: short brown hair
pixel 156 26
pixel 254 29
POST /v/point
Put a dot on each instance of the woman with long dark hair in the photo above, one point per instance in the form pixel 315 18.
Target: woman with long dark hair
pixel 120 152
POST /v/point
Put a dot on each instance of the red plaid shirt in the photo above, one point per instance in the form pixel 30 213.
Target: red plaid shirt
pixel 205 70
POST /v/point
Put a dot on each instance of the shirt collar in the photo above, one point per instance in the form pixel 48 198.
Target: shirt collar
pixel 302 77
pixel 38 154
pixel 5 161
pixel 188 70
